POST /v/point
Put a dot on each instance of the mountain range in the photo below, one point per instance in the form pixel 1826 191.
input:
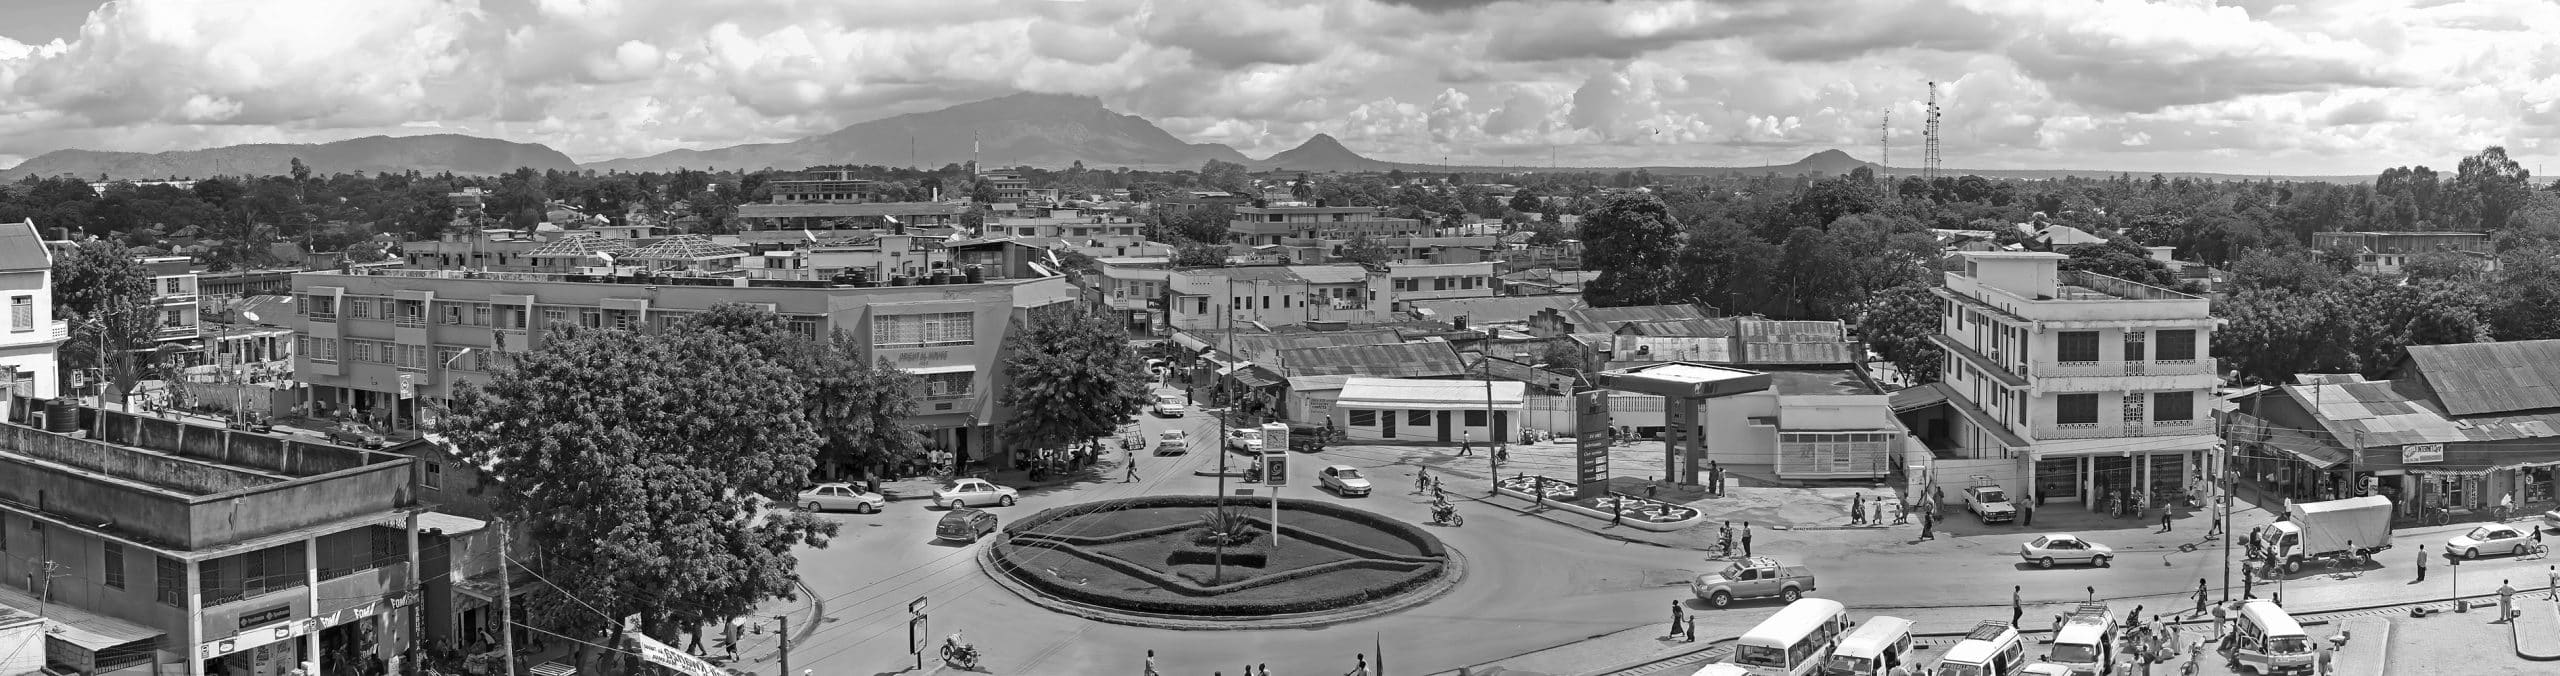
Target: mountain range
pixel 1043 130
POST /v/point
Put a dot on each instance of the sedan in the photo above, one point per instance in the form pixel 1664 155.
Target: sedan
pixel 358 435
pixel 965 525
pixel 958 493
pixel 1245 441
pixel 2492 538
pixel 2551 520
pixel 2046 550
pixel 841 497
pixel 1168 406
pixel 1344 480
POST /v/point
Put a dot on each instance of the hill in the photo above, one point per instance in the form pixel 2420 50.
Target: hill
pixel 1042 130
pixel 1321 153
pixel 431 154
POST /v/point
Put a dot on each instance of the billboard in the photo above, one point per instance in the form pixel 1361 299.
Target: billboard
pixel 1591 443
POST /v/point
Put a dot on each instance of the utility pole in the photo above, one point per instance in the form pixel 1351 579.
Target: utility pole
pixel 785 640
pixel 1492 434
pixel 506 600
pixel 1227 317
pixel 44 601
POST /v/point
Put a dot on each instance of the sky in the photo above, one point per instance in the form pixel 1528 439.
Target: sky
pixel 2330 87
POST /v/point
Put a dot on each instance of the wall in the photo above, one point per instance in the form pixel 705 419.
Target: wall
pixel 22 648
pixel 241 515
pixel 84 555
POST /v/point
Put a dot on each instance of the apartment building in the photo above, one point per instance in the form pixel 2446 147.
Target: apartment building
pixel 31 336
pixel 386 344
pixel 2069 385
pixel 1275 295
pixel 1010 187
pixel 2388 252
pixel 1407 283
pixel 154 546
pixel 1256 226
pixel 825 186
pixel 173 290
pixel 1132 289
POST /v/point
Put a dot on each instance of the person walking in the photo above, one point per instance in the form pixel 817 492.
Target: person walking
pixel 1421 480
pixel 2017 604
pixel 2555 583
pixel 2164 518
pixel 1361 669
pixel 2422 563
pixel 1132 462
pixel 2249 578
pixel 1676 612
pixel 1715 478
pixel 1746 539
pixel 2027 512
pixel 1875 512
pixel 1928 526
pixel 1857 508
pixel 1151 665
pixel 2200 597
pixel 2093 594
pixel 2506 601
pixel 2220 616
pixel 1466 445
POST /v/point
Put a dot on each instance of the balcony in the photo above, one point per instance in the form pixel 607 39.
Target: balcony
pixel 179 332
pixel 510 340
pixel 2105 369
pixel 2149 428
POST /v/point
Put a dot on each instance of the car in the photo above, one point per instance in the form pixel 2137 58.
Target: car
pixel 2046 550
pixel 1169 406
pixel 1173 442
pixel 965 525
pixel 253 423
pixel 1989 502
pixel 841 497
pixel 958 493
pixel 1344 480
pixel 2551 520
pixel 1246 441
pixel 2494 538
pixel 1751 578
pixel 358 435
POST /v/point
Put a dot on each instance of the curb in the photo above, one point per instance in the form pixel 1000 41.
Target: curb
pixel 817 614
pixel 1448 581
pixel 1542 514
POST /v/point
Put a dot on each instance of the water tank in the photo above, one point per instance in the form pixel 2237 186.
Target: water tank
pixel 941 276
pixel 977 274
pixel 62 416
pixel 861 276
pixel 902 280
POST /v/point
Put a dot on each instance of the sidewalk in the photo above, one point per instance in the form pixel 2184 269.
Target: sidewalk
pixel 759 641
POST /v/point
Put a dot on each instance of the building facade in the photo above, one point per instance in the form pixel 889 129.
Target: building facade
pixel 2388 252
pixel 2091 386
pixel 29 335
pixel 1256 226
pixel 173 290
pixel 2448 432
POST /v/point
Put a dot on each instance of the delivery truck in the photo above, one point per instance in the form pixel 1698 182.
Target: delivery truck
pixel 2353 529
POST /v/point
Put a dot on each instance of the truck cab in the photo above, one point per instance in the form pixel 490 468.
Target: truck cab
pixel 1751 578
pixel 1989 501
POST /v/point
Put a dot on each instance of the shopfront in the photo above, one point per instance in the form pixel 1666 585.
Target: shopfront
pixel 2101 472
pixel 349 640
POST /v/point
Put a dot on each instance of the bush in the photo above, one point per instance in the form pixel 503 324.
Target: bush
pixel 1246 555
pixel 1062 565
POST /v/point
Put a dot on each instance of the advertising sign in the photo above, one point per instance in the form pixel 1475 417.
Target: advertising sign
pixel 281 631
pixel 1275 469
pixel 1591 443
pixel 2420 453
pixel 668 656
pixel 1275 438
pixel 408 387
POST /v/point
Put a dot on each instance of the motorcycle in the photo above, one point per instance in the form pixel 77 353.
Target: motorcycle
pixel 1447 515
pixel 1253 474
pixel 960 655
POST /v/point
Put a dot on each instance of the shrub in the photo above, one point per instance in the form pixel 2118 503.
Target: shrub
pixel 1224 527
pixel 1056 565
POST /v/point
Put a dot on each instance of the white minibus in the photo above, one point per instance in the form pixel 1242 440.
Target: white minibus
pixel 1795 641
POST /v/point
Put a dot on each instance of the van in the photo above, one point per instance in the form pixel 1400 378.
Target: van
pixel 2085 643
pixel 1795 641
pixel 1875 649
pixel 2268 641
pixel 1991 649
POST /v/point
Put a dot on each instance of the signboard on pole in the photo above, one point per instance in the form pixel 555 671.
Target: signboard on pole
pixel 668 656
pixel 1275 468
pixel 408 386
pixel 1591 443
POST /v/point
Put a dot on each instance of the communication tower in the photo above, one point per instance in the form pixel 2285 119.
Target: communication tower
pixel 1884 139
pixel 1929 144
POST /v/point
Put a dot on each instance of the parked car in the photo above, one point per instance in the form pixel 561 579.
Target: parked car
pixel 2551 520
pixel 358 435
pixel 841 497
pixel 2494 538
pixel 1751 578
pixel 2047 550
pixel 1989 502
pixel 1247 441
pixel 253 423
pixel 1344 480
pixel 965 525
pixel 1169 405
pixel 958 493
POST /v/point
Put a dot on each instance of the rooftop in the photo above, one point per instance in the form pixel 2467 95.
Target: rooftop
pixel 633 275
pixel 1415 360
pixel 870 209
pixel 22 248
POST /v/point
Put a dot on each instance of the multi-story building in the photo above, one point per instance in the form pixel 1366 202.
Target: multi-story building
pixel 173 290
pixel 1407 283
pixel 375 343
pixel 1131 289
pixel 1277 225
pixel 1009 186
pixel 825 186
pixel 2070 385
pixel 2387 252
pixel 832 215
pixel 2451 427
pixel 164 547
pixel 1274 295
pixel 30 335
pixel 1066 224
pixel 1185 202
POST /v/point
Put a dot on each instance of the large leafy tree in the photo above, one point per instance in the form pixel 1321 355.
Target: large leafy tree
pixel 1897 324
pixel 641 466
pixel 1073 376
pixel 2120 259
pixel 2275 332
pixel 106 296
pixel 1365 250
pixel 2525 301
pixel 1633 242
pixel 856 405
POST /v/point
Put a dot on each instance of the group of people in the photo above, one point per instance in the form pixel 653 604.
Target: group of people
pixel 1044 462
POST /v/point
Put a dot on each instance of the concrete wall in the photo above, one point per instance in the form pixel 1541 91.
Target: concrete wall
pixel 84 554
pixel 267 510
pixel 22 648
pixel 135 465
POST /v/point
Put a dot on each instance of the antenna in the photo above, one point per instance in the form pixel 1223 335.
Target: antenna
pixel 1884 138
pixel 1929 151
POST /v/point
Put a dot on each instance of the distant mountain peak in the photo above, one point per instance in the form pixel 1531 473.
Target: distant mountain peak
pixel 1321 152
pixel 1832 155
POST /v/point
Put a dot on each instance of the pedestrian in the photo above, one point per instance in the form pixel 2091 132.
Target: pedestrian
pixel 1875 509
pixel 1746 539
pixel 1692 632
pixel 1266 668
pixel 1361 669
pixel 2017 604
pixel 2555 583
pixel 1725 538
pixel 2028 513
pixel 1652 488
pixel 2200 596
pixel 1133 467
pixel 1676 612
pixel 1715 478
pixel 735 625
pixel 2216 530
pixel 695 648
pixel 1857 508
pixel 2506 601
pixel 1466 446
pixel 1421 479
pixel 2249 577
pixel 1928 526
pixel 2220 615
pixel 2164 518
pixel 2422 563
pixel 2093 594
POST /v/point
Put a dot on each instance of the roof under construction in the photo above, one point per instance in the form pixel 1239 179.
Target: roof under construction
pixel 685 248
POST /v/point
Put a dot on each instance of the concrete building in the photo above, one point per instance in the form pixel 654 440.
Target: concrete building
pixel 374 343
pixel 2387 252
pixel 2451 427
pixel 824 186
pixel 173 290
pixel 1274 295
pixel 1010 187
pixel 1133 289
pixel 2067 385
pixel 31 336
pixel 1560 321
pixel 170 548
pixel 835 215
pixel 1433 411
pixel 1278 225
pixel 1407 283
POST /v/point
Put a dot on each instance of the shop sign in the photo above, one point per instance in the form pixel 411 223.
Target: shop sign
pixel 1591 442
pixel 2419 453
pixel 282 631
pixel 918 358
pixel 668 656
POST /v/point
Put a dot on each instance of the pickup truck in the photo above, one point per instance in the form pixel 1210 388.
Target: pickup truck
pixel 1752 578
pixel 1989 501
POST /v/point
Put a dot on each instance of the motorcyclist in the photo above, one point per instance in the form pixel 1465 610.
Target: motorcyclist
pixel 955 644
pixel 1441 509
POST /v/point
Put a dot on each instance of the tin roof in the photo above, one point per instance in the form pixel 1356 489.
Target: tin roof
pixel 1415 360
pixel 21 248
pixel 2477 378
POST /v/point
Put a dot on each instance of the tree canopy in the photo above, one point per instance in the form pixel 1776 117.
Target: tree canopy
pixel 106 296
pixel 1071 376
pixel 1632 241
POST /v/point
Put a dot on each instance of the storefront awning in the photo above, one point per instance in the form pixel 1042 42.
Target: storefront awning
pixel 1429 395
pixel 90 631
pixel 1185 340
pixel 450 525
pixel 2318 455
pixel 2126 446
pixel 947 368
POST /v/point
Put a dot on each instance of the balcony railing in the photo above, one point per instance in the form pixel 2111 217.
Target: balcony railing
pixel 2086 369
pixel 179 331
pixel 2145 428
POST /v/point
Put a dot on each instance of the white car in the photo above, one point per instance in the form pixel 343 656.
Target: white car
pixel 958 493
pixel 1248 441
pixel 841 497
pixel 2551 520
pixel 1167 405
pixel 1344 480
pixel 2050 549
pixel 2493 538
pixel 1173 442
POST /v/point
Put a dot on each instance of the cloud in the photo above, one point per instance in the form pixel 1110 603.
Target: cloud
pixel 2245 86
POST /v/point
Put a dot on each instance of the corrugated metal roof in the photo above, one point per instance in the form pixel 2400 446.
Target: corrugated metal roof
pixel 2400 412
pixel 1318 383
pixel 1410 360
pixel 1768 331
pixel 1590 318
pixel 866 210
pixel 1267 343
pixel 1800 353
pixel 2477 378
pixel 21 248
pixel 1331 274
pixel 1918 396
pixel 1695 328
pixel 1509 310
pixel 1670 348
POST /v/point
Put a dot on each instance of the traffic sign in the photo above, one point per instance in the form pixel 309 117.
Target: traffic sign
pixel 915 635
pixel 916 607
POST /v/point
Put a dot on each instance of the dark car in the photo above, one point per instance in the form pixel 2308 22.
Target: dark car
pixel 965 524
pixel 358 435
pixel 253 423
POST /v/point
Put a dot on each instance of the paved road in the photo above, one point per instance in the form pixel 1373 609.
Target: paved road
pixel 1532 583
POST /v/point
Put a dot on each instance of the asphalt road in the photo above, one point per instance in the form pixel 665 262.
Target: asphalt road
pixel 1531 583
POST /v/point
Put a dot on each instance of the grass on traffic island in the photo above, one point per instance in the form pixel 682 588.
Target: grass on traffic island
pixel 1626 507
pixel 1183 556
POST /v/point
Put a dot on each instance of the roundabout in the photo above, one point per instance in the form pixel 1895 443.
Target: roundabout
pixel 1179 562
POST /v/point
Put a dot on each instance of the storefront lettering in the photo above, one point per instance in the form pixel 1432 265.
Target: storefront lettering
pixel 936 355
pixel 2416 453
pixel 284 631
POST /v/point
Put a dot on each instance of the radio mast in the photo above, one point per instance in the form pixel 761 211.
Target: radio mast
pixel 1929 144
pixel 1884 141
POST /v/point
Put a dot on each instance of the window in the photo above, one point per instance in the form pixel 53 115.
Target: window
pixel 407 356
pixel 323 349
pixel 948 385
pixel 2179 345
pixel 806 327
pixel 591 318
pixel 553 315
pixel 2073 346
pixel 924 330
pixel 362 351
pixel 2075 409
pixel 1417 418
pixel 451 358
pixel 169 582
pixel 626 320
pixel 359 308
pixel 432 476
pixel 1364 418
pixel 113 561
pixel 452 313
pixel 2173 406
pixel 324 308
pixel 173 286
pixel 1475 418
pixel 22 313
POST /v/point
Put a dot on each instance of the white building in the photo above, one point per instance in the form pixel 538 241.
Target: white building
pixel 2067 384
pixel 30 335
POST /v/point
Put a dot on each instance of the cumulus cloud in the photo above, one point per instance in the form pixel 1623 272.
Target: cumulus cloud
pixel 2243 86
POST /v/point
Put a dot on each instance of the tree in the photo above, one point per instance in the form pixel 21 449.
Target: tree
pixel 1365 250
pixel 2525 301
pixel 2487 190
pixel 642 467
pixel 1227 176
pixel 1194 254
pixel 982 191
pixel 1527 202
pixel 1632 241
pixel 1898 324
pixel 2292 268
pixel 856 405
pixel 2273 333
pixel 105 294
pixel 2120 259
pixel 1071 377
